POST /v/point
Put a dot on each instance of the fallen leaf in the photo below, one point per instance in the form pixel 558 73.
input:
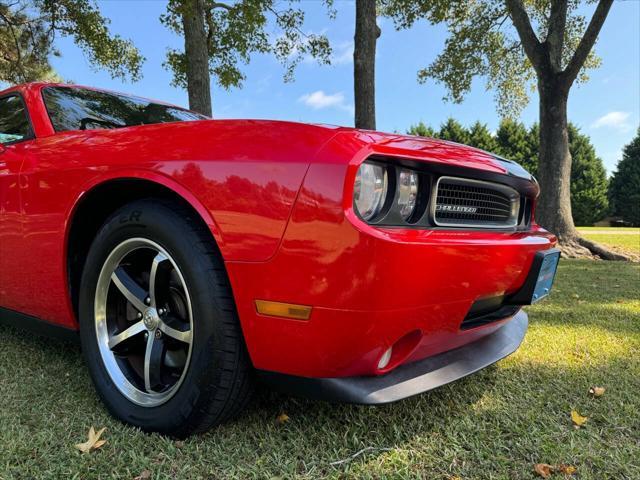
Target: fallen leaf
pixel 94 442
pixel 179 444
pixel 597 391
pixel 577 419
pixel 455 477
pixel 575 295
pixel 145 475
pixel 566 469
pixel 543 469
pixel 282 419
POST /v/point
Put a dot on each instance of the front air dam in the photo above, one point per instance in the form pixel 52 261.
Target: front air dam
pixel 411 379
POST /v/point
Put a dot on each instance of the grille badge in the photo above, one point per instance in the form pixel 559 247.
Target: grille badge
pixel 455 208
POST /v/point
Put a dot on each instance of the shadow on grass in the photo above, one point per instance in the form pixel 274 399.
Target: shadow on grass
pixel 493 424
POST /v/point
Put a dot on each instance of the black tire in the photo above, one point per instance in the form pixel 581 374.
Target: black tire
pixel 217 382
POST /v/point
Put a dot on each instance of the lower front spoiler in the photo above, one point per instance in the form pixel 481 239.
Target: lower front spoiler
pixel 410 379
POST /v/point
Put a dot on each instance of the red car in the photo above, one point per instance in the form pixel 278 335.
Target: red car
pixel 196 256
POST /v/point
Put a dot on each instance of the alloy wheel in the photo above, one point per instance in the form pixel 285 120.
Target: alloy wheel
pixel 144 321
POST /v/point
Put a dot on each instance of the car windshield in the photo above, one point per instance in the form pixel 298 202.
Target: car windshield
pixel 72 108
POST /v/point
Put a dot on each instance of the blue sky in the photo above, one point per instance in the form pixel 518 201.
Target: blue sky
pixel 607 108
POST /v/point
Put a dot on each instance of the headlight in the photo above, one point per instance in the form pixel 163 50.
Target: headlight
pixel 407 192
pixel 370 190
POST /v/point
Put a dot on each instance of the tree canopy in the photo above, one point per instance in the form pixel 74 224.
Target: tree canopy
pixel 589 183
pixel 481 43
pixel 625 183
pixel 236 30
pixel 28 29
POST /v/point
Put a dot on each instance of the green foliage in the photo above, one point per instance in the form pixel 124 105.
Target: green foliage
pixel 483 42
pixel 589 184
pixel 625 183
pixel 28 29
pixel 480 137
pixel 422 130
pixel 514 141
pixel 453 131
pixel 236 30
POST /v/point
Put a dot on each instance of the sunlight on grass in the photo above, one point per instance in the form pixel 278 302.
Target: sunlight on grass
pixel 624 239
pixel 493 425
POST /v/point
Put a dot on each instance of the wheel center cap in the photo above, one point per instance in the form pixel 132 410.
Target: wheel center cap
pixel 150 318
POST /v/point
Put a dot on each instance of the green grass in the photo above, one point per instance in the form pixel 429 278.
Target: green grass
pixel 611 229
pixel 494 425
pixel 622 239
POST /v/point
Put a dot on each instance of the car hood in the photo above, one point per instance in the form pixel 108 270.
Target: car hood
pixel 424 149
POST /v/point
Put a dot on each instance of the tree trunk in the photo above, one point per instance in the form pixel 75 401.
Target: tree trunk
pixel 553 210
pixel 195 47
pixel 364 64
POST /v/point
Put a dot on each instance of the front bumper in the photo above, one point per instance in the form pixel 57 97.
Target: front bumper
pixel 372 287
pixel 409 379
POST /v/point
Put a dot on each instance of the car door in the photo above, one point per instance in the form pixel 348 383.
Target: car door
pixel 16 135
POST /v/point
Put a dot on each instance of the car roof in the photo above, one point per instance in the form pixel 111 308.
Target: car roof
pixel 40 85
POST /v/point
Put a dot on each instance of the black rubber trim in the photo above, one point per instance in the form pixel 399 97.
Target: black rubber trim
pixel 524 296
pixel 475 321
pixel 39 327
pixel 411 379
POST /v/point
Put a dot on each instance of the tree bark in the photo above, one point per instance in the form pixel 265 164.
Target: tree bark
pixel 197 55
pixel 553 210
pixel 364 64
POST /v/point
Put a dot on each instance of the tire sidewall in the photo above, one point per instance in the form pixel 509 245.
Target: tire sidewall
pixel 152 221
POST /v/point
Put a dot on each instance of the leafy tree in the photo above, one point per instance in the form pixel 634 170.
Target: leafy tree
pixel 514 143
pixel 364 64
pixel 28 29
pixel 481 137
pixel 550 45
pixel 221 36
pixel 453 131
pixel 589 184
pixel 625 183
pixel 422 130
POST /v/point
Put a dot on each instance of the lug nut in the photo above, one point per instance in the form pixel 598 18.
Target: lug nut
pixel 147 300
pixel 158 333
pixel 138 315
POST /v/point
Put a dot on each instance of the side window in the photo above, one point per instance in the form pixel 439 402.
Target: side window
pixel 14 124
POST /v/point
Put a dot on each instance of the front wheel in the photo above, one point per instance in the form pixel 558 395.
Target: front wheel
pixel 158 325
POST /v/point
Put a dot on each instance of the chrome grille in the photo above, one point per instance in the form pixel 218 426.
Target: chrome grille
pixel 462 202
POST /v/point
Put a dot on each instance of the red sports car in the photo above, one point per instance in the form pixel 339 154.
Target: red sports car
pixel 196 256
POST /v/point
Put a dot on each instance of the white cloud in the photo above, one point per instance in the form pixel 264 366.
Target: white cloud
pixel 319 100
pixel 615 120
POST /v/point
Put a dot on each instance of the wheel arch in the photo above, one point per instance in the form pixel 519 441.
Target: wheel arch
pixel 100 200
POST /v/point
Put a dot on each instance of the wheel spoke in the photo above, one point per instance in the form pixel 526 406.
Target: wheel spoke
pixel 153 275
pixel 133 292
pixel 128 333
pixel 180 335
pixel 152 363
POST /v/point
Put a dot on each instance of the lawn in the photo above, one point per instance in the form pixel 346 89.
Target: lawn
pixel 495 425
pixel 621 239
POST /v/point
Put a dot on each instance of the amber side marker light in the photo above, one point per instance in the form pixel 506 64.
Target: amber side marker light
pixel 285 310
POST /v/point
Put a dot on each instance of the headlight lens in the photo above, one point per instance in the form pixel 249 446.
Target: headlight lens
pixel 407 192
pixel 370 190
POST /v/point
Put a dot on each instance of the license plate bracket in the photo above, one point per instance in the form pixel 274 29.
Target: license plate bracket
pixel 540 279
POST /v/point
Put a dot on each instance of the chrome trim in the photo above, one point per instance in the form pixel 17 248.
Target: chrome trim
pixel 510 192
pixel 149 322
